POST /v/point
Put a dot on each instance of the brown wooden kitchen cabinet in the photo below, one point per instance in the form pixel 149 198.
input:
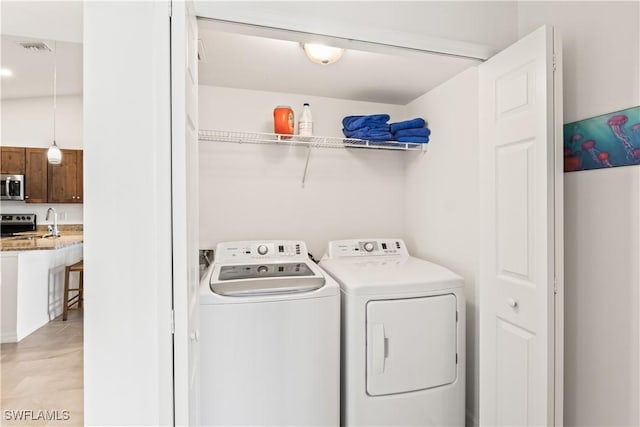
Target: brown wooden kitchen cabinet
pixel 12 160
pixel 35 175
pixel 65 179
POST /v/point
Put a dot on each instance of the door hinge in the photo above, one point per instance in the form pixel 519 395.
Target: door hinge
pixel 456 316
pixel 456 358
pixel 173 322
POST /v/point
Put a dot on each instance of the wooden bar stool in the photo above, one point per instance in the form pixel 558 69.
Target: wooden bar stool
pixel 77 298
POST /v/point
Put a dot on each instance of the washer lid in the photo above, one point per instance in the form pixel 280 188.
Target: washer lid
pixel 264 279
pixel 389 275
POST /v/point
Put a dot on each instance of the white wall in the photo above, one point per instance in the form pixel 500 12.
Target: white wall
pixel 53 20
pixel 442 197
pixel 127 234
pixel 28 122
pixel 601 48
pixel 255 192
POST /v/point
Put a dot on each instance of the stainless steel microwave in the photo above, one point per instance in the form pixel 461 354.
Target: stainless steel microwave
pixel 11 187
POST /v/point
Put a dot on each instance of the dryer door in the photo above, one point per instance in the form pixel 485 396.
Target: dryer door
pixel 411 344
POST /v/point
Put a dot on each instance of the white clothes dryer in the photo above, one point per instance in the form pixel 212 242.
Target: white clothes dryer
pixel 270 337
pixel 403 343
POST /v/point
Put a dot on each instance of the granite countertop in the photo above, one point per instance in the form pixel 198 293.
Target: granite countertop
pixel 36 241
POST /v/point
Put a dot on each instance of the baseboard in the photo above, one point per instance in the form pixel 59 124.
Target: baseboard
pixel 55 312
pixel 55 308
pixel 7 338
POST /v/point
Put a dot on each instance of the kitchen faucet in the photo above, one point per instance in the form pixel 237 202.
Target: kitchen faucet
pixel 53 230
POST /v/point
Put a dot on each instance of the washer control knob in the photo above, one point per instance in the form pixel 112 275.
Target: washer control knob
pixel 368 246
pixel 263 249
pixel 263 269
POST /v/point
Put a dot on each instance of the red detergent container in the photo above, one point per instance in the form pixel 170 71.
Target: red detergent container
pixel 283 120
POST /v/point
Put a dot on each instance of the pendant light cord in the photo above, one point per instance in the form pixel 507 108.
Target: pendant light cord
pixel 54 155
pixel 55 81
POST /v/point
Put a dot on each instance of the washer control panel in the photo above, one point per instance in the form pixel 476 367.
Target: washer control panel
pixel 366 247
pixel 266 250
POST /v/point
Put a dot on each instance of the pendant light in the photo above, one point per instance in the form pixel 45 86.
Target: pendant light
pixel 54 155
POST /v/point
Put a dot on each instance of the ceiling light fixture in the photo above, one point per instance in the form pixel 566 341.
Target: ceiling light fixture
pixel 54 155
pixel 5 72
pixel 321 54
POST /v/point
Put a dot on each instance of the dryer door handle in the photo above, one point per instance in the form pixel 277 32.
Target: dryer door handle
pixel 379 348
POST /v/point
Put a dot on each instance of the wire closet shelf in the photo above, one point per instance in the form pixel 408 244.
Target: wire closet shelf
pixel 304 141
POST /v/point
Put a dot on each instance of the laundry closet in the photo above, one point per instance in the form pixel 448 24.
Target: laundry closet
pixel 249 189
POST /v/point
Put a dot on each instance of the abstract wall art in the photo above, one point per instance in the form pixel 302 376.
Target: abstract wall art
pixel 603 142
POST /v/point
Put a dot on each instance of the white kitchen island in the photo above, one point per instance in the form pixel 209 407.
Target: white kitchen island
pixel 32 282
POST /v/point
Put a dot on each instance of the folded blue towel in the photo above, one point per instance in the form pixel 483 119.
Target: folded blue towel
pixel 367 129
pixel 414 139
pixel 371 134
pixel 412 132
pixel 407 124
pixel 356 122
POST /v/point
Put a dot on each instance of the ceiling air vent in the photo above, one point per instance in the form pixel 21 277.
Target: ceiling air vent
pixel 35 46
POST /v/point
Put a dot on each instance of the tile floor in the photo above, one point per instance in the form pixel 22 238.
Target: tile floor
pixel 41 377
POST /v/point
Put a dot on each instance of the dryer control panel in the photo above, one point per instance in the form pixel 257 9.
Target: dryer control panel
pixel 366 248
pixel 263 250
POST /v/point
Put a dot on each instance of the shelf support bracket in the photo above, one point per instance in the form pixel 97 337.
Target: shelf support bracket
pixel 306 166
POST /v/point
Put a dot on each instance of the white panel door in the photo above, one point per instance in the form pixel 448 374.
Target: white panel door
pixel 411 344
pixel 521 235
pixel 184 161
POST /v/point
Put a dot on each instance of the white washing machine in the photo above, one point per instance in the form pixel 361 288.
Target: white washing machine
pixel 270 338
pixel 403 355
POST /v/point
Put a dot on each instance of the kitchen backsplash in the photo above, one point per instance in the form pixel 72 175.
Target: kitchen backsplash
pixel 61 227
pixel 68 213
